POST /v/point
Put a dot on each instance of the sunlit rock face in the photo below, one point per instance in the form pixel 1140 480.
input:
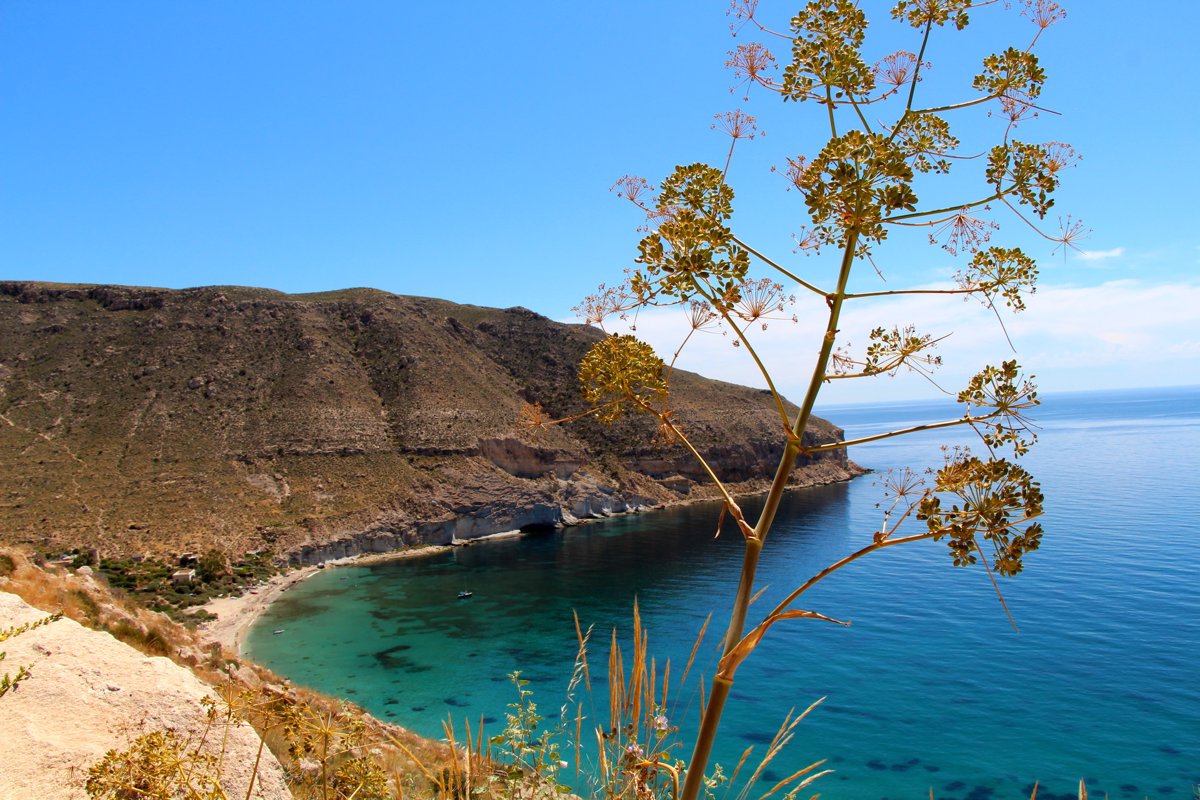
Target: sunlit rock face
pixel 89 693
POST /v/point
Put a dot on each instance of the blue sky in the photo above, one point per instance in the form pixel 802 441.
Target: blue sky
pixel 467 153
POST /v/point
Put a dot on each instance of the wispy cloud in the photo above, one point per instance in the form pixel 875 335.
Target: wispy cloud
pixel 1100 255
pixel 1121 333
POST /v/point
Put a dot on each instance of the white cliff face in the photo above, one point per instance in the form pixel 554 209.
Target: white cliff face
pixel 90 693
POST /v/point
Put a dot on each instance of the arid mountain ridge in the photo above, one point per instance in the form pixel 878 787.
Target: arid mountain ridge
pixel 324 425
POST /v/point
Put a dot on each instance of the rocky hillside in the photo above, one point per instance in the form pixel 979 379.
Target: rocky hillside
pixel 143 420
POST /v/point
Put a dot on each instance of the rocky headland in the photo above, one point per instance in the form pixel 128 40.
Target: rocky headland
pixel 141 420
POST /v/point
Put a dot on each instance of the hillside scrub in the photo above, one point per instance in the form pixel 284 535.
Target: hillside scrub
pixel 146 422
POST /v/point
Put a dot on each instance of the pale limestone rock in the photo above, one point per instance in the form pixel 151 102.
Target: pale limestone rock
pixel 90 693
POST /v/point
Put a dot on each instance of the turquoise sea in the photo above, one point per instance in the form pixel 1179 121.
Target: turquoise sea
pixel 929 688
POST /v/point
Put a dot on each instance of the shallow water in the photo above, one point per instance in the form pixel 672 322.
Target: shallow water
pixel 930 686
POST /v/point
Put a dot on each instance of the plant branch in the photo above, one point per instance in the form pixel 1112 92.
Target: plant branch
pixel 858 110
pixel 675 357
pixel 786 273
pixel 728 158
pixel 891 292
pixel 932 426
pixel 955 106
pixel 999 320
pixel 762 368
pixel 1032 225
pixel 678 434
pixel 829 108
pixel 835 566
pixel 746 645
pixel 912 89
pixel 721 686
pixel 987 568
pixel 947 209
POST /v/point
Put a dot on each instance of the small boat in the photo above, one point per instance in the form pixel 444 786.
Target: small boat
pixel 277 631
pixel 464 595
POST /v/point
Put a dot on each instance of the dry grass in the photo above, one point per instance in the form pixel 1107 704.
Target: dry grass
pixel 89 602
pixel 635 744
pixel 405 757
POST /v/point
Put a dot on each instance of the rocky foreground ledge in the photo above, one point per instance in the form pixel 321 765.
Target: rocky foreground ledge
pixel 105 674
pixel 89 693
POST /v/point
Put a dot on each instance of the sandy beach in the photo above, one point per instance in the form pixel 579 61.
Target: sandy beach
pixel 235 615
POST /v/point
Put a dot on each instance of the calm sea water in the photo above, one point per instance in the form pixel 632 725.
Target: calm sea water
pixel 930 688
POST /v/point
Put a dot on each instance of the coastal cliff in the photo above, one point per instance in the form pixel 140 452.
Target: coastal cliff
pixel 144 420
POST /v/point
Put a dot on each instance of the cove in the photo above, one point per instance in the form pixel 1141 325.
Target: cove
pixel 929 688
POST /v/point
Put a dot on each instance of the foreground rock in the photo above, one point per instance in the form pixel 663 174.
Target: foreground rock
pixel 90 693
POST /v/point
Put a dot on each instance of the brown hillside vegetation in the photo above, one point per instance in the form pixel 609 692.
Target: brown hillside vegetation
pixel 101 673
pixel 145 420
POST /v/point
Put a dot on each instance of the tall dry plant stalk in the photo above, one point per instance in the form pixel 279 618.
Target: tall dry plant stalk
pixel 857 188
pixel 625 743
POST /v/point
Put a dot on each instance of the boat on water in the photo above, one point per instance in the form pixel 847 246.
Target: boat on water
pixel 464 595
pixel 277 631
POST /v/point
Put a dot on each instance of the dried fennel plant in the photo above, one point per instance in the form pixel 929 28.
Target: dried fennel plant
pixel 10 681
pixel 884 142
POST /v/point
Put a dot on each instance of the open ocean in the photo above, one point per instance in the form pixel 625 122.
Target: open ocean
pixel 929 688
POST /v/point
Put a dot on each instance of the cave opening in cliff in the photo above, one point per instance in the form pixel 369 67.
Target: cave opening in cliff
pixel 539 528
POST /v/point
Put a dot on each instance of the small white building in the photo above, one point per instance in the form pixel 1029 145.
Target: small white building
pixel 183 577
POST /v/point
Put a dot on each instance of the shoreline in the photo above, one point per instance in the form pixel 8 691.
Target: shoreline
pixel 235 615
